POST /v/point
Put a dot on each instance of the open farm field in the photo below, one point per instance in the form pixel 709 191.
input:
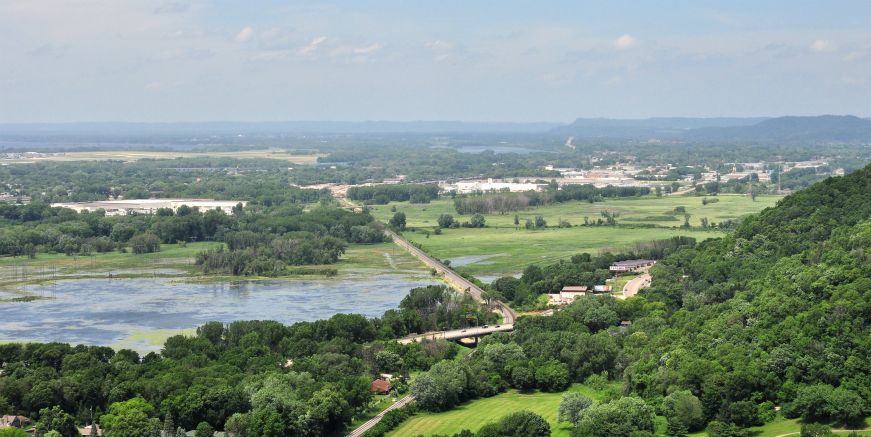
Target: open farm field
pixel 503 247
pixel 493 251
pixel 652 210
pixel 125 155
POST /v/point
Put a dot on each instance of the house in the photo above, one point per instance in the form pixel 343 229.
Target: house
pixel 630 265
pixel 14 421
pixel 86 431
pixel 567 295
pixel 601 289
pixel 386 376
pixel 380 386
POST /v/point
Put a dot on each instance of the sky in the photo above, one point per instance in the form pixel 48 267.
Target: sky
pixel 468 60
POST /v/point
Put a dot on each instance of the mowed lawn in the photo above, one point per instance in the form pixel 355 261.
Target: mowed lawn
pixel 475 414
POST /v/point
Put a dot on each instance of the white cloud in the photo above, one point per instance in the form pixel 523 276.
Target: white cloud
pixel 821 45
pixel 625 42
pixel 245 34
pixel 368 49
pixel 312 46
pixel 439 45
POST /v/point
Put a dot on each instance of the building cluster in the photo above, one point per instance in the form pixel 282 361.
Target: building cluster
pixel 148 206
pixel 14 156
pixel 7 197
pixel 630 265
pixel 569 293
pixel 483 186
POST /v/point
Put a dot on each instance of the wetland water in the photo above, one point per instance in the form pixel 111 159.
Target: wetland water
pixel 128 312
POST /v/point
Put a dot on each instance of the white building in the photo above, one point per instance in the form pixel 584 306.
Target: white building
pixel 149 206
pixel 463 187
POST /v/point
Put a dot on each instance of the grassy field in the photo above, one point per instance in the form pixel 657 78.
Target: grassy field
pixel 125 155
pixel 786 427
pixel 494 251
pixel 635 210
pixel 473 415
pixel 503 248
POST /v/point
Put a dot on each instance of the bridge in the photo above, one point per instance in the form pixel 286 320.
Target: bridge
pixel 458 334
pixel 462 285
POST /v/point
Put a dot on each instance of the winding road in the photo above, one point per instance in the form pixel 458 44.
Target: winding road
pixel 460 284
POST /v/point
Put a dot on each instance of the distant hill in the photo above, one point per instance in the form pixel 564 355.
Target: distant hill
pixel 823 128
pixel 647 127
pixel 846 128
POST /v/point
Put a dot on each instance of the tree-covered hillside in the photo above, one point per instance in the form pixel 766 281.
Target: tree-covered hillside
pixel 773 315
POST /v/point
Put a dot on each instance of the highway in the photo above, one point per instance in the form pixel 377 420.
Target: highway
pixel 452 278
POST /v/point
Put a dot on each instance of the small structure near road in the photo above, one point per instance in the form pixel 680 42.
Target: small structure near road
pixel 380 386
pixel 86 431
pixel 567 295
pixel 14 421
pixel 630 265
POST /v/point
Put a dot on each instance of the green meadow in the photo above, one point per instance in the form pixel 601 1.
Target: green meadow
pixel 503 248
pixel 634 210
pixel 475 414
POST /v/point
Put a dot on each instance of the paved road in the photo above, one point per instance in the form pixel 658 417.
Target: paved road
pixel 451 277
pixel 632 287
pixel 374 421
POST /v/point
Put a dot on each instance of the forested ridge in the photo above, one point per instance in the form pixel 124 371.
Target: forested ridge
pixel 774 315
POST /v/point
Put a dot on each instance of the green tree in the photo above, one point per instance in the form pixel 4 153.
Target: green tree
pixel 572 406
pixel 618 418
pixel 56 419
pixel 445 220
pixel 682 407
pixel 816 430
pixel 130 418
pixel 204 430
pixel 13 432
pixel 398 221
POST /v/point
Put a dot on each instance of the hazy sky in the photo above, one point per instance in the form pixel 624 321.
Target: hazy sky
pixel 141 60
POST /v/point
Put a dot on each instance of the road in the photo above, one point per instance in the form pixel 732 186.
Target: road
pixel 452 278
pixel 461 284
pixel 374 421
pixel 632 287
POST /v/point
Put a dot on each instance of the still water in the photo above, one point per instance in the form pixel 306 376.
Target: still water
pixel 118 311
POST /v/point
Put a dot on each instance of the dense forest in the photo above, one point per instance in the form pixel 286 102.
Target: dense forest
pixel 773 316
pixel 502 203
pixel 259 240
pixel 386 193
